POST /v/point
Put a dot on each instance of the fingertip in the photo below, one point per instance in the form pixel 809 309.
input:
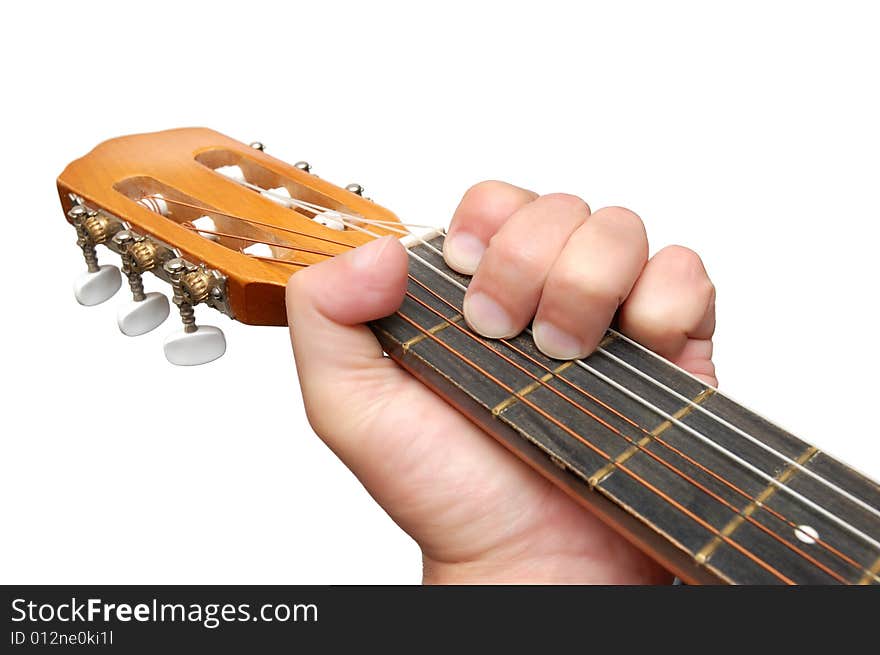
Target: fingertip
pixel 364 284
pixel 672 302
pixel 463 252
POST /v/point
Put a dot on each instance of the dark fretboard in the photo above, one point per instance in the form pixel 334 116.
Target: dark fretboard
pixel 711 489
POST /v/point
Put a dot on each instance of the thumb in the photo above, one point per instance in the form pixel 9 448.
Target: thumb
pixel 337 357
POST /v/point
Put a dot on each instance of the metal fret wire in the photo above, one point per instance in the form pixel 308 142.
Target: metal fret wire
pixel 343 215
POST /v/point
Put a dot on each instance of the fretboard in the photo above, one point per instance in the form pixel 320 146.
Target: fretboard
pixel 712 490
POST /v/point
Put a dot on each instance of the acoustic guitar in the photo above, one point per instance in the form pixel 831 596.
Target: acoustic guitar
pixel 705 486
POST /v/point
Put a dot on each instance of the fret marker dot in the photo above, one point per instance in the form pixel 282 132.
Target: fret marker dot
pixel 806 533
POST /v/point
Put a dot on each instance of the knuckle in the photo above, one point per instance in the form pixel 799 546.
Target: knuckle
pixel 568 202
pixel 586 285
pixel 682 257
pixel 626 221
pixel 489 192
pixel 624 214
pixel 657 321
pixel 522 258
pixel 689 266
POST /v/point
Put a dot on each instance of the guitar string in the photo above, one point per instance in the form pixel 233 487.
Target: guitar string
pixel 791 462
pixel 319 209
pixel 633 442
pixel 275 244
pixel 208 210
pixel 613 383
pixel 507 343
pixel 622 467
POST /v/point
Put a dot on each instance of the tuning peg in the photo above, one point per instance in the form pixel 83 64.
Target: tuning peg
pixel 204 344
pixel 145 311
pixel 303 166
pixel 355 188
pixel 258 145
pixel 98 283
pixel 94 287
pixel 137 317
pixel 194 344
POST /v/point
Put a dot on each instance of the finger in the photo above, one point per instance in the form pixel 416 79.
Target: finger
pixel 326 305
pixel 671 309
pixel 505 290
pixel 589 280
pixel 480 214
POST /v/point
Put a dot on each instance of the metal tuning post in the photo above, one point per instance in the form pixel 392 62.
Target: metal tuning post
pixel 145 311
pixel 194 344
pixel 98 283
pixel 357 189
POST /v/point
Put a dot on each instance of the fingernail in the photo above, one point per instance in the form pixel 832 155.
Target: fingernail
pixel 487 317
pixel 365 256
pixel 556 343
pixel 463 252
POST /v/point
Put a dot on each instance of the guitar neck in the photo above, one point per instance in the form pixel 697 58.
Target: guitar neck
pixel 712 490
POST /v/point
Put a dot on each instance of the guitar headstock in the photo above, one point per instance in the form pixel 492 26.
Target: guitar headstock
pixel 223 223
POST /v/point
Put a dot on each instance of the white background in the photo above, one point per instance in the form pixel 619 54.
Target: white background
pixel 750 134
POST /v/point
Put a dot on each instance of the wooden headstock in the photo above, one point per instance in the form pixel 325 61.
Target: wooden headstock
pixel 149 188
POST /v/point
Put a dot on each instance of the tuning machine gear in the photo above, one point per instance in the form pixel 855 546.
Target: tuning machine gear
pixel 145 311
pixel 100 282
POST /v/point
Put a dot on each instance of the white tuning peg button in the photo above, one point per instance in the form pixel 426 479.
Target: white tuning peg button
pixel 94 288
pixel 205 344
pixel 138 317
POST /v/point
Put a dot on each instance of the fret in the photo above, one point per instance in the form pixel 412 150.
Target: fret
pixel 433 330
pixel 609 468
pixel 522 393
pixel 684 498
pixel 706 551
pixel 606 340
pixel 872 575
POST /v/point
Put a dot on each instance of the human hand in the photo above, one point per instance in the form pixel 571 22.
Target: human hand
pixel 479 514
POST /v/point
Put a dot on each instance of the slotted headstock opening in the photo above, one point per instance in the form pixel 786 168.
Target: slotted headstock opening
pixel 256 175
pixel 238 234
